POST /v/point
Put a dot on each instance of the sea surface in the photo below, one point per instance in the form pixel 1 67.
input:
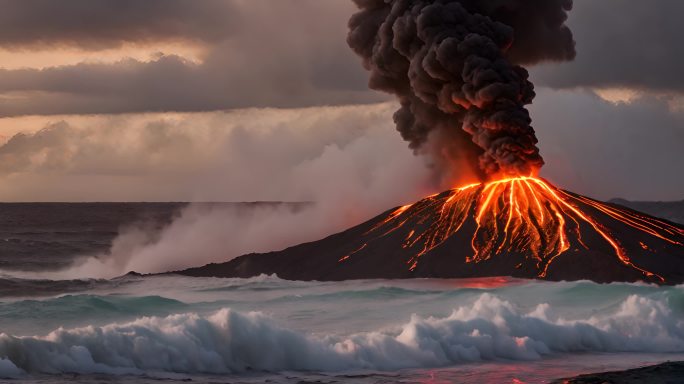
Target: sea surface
pixel 135 329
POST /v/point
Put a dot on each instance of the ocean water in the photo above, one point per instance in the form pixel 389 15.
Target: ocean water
pixel 170 328
pixel 265 329
pixel 45 236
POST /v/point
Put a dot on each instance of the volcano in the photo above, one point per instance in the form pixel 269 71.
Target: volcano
pixel 521 227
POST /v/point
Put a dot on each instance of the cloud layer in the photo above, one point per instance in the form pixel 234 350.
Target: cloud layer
pixel 244 155
pixel 99 24
pixel 292 53
pixel 348 161
pixel 258 54
pixel 285 53
pixel 593 147
pixel 623 44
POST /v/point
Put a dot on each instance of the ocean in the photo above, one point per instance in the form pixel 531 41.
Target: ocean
pixel 168 328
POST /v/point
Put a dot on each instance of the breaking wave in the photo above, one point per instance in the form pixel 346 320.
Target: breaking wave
pixel 233 342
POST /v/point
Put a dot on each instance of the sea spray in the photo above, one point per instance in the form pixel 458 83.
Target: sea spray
pixel 228 341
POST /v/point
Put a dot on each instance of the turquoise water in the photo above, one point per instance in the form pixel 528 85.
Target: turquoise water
pixel 173 328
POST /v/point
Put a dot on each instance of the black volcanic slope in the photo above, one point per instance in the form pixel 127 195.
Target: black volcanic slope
pixel 670 372
pixel 522 228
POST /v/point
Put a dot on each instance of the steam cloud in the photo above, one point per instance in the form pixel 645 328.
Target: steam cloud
pixel 455 67
pixel 187 158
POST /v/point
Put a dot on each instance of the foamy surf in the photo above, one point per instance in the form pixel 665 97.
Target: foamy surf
pixel 232 342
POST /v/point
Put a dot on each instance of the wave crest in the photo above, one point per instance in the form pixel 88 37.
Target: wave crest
pixel 232 342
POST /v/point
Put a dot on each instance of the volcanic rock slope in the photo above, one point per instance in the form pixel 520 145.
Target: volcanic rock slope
pixel 524 229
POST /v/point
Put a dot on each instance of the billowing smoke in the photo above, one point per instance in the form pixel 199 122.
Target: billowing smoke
pixel 455 67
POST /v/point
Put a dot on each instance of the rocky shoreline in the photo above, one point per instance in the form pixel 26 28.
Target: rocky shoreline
pixel 666 373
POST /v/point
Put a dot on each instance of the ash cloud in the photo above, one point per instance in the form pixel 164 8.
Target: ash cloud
pixel 453 65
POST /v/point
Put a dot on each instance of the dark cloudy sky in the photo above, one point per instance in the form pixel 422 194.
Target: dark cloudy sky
pixel 263 100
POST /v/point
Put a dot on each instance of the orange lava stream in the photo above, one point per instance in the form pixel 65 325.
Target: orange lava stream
pixel 524 215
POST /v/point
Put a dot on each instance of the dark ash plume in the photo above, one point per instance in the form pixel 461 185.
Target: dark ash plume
pixel 453 64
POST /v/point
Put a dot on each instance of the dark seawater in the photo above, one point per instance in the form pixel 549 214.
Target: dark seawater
pixel 133 329
pixel 50 236
pixel 44 236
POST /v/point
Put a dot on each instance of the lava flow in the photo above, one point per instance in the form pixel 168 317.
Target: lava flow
pixel 522 227
pixel 521 215
pixel 454 67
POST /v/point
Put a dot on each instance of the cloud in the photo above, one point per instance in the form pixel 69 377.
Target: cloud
pixel 172 83
pixel 347 161
pixel 284 53
pixel 100 24
pixel 242 155
pixel 606 149
pixel 268 58
pixel 595 147
pixel 622 44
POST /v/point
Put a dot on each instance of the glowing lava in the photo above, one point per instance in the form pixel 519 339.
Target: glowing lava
pixel 521 215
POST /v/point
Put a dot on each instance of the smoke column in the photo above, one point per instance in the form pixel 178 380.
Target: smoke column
pixel 455 66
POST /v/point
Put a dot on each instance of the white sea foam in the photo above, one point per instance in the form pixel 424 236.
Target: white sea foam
pixel 8 370
pixel 233 342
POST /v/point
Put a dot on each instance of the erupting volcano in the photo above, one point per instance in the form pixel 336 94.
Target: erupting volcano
pixel 455 69
pixel 520 215
pixel 519 226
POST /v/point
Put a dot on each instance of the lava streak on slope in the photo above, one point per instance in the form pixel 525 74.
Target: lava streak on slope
pixel 520 215
pixel 522 227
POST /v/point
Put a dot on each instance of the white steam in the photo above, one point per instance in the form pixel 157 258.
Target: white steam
pixel 347 161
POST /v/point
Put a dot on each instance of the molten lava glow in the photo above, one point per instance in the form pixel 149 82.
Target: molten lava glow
pixel 523 215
